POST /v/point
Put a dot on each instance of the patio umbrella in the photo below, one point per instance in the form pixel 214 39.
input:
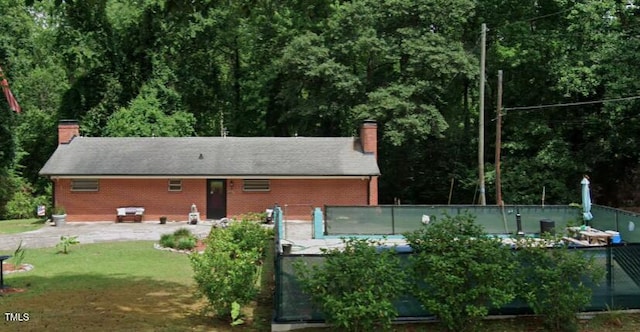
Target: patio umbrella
pixel 586 199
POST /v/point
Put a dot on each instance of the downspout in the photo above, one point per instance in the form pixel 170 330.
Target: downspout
pixel 369 191
pixel 53 194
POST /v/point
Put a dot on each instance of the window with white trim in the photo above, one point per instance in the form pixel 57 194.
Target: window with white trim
pixel 175 185
pixel 85 185
pixel 256 185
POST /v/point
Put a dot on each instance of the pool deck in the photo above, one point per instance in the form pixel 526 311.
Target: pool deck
pixel 299 233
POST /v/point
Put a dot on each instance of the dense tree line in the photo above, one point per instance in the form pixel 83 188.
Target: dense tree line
pixel 319 67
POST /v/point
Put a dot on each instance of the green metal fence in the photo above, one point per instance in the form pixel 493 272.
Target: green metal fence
pixel 380 220
pixel 621 288
pixel 397 219
pixel 624 222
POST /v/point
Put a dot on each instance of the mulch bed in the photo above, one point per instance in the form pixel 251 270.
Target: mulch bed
pixel 11 290
pixel 11 268
pixel 200 247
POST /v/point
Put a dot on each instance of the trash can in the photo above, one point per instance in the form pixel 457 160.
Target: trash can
pixel 547 226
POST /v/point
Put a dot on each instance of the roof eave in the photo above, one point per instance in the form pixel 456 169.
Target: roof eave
pixel 208 176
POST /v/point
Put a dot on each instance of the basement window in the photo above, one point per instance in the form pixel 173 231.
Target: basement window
pixel 84 185
pixel 256 185
pixel 175 185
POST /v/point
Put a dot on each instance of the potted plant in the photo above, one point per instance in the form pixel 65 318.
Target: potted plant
pixel 163 220
pixel 59 215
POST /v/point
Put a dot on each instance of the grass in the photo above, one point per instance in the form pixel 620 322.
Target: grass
pixel 115 286
pixel 20 225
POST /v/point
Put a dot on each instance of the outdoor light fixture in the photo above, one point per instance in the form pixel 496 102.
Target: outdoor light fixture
pixel 201 157
pixel 231 184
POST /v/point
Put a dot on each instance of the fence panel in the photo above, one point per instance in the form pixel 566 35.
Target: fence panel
pixel 619 290
pixel 398 219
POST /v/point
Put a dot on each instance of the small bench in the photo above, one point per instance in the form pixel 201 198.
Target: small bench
pixel 131 212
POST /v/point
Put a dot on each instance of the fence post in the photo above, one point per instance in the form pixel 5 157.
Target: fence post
pixel 277 218
pixel 609 273
pixel 318 224
pixel 393 220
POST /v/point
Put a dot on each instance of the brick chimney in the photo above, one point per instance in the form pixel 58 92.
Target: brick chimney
pixel 369 137
pixel 369 141
pixel 67 130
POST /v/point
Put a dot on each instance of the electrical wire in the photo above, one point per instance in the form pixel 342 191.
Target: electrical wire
pixel 529 108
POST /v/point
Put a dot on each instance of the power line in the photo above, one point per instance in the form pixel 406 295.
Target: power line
pixel 531 19
pixel 528 108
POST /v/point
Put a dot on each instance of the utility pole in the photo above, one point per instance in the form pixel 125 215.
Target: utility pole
pixel 483 51
pixel 499 141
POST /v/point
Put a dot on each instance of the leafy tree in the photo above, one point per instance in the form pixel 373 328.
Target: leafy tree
pixel 145 118
pixel 459 272
pixel 356 285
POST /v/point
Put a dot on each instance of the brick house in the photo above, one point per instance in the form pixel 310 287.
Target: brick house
pixel 222 176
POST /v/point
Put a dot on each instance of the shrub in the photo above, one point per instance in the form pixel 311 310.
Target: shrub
pixel 355 287
pixel 182 232
pixel 555 282
pixel 252 216
pixel 168 240
pixel 459 273
pixel 181 239
pixel 229 269
pixel 22 203
pixel 186 243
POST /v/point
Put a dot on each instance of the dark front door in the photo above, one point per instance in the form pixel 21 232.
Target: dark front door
pixel 216 199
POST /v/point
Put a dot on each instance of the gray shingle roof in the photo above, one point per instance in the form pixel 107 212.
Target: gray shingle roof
pixel 230 156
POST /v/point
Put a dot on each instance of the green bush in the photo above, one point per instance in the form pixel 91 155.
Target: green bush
pixel 252 216
pixel 186 243
pixel 182 232
pixel 459 273
pixel 229 269
pixel 554 282
pixel 181 239
pixel 168 240
pixel 355 287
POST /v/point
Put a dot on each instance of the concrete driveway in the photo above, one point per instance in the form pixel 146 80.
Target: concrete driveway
pixel 95 232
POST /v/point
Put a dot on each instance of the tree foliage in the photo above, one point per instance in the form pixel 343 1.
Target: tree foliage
pixel 356 286
pixel 229 270
pixel 287 67
pixel 460 273
pixel 557 282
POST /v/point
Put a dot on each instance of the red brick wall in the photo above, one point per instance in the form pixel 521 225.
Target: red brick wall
pixel 373 191
pixel 152 194
pixel 296 197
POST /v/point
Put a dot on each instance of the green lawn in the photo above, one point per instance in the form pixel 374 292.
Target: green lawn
pixel 112 286
pixel 20 225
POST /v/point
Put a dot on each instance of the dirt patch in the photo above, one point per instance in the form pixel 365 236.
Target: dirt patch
pixel 11 268
pixel 200 246
pixel 11 290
